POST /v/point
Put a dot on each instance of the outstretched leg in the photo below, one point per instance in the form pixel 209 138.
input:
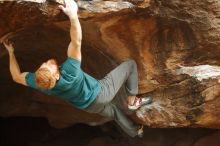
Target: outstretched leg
pixel 126 76
pixel 112 111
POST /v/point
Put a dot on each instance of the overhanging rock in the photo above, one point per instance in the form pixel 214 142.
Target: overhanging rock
pixel 175 44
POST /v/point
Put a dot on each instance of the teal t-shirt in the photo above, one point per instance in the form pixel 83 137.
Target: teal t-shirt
pixel 74 86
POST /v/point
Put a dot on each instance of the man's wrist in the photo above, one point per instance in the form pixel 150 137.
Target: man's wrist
pixel 11 53
pixel 73 19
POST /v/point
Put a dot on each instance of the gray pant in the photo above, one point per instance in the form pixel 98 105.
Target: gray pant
pixel 118 85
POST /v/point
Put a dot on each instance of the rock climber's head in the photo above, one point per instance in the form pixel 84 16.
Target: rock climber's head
pixel 47 74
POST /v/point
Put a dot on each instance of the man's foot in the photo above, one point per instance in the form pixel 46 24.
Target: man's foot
pixel 140 132
pixel 138 102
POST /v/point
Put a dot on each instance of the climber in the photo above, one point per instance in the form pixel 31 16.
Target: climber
pixel 78 88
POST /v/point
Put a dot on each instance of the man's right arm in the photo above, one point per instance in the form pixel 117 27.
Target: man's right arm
pixel 74 48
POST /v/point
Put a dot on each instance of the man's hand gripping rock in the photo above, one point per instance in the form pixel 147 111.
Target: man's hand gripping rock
pixel 70 9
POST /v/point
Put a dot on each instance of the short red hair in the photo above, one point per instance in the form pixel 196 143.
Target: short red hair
pixel 45 79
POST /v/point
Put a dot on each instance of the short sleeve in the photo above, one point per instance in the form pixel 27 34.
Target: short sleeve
pixel 30 80
pixel 71 66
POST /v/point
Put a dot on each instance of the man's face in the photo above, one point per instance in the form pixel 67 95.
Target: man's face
pixel 52 66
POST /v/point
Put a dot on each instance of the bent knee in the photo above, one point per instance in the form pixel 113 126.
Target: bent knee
pixel 132 63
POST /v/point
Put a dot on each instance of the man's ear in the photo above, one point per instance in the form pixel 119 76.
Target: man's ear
pixel 57 76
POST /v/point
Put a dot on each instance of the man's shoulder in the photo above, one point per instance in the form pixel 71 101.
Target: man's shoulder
pixel 71 61
pixel 70 65
pixel 30 80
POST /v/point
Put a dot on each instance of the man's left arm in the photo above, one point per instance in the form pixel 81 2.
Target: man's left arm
pixel 16 74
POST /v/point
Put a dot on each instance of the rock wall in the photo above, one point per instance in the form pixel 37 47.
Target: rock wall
pixel 175 44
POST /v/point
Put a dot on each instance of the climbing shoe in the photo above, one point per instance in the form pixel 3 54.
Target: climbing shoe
pixel 138 102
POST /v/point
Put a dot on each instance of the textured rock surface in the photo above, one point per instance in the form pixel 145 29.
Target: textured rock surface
pixel 171 42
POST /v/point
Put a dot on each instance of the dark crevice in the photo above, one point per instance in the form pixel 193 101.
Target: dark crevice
pixel 27 131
